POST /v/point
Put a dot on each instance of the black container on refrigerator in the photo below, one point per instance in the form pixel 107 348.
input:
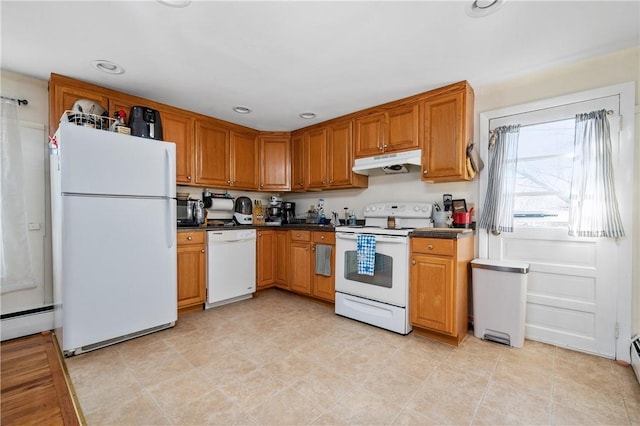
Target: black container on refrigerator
pixel 145 122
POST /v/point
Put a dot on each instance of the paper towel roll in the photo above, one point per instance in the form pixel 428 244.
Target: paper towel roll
pixel 222 204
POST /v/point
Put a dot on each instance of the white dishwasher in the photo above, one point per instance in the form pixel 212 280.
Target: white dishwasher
pixel 231 266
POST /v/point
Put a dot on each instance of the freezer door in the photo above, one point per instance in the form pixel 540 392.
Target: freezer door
pixel 119 269
pixel 106 163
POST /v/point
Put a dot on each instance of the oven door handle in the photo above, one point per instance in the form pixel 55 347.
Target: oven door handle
pixel 379 238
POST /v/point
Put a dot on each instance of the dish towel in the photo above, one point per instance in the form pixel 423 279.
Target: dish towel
pixel 323 260
pixel 366 254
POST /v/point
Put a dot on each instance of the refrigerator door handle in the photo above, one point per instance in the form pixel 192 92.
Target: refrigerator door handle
pixel 171 221
pixel 170 172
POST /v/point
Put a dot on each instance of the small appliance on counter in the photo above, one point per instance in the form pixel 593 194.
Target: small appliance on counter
pixel 274 212
pixel 288 212
pixel 145 122
pixel 243 211
pixel 220 211
pixel 190 212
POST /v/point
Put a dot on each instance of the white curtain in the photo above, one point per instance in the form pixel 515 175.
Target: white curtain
pixel 593 207
pixel 497 213
pixel 15 253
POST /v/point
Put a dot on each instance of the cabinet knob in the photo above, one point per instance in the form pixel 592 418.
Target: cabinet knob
pixel 384 146
pixel 413 262
pixel 313 249
pixel 380 148
pixel 322 237
pixel 202 251
pixel 324 182
pixel 306 248
pixel 262 185
pixel 331 181
pixel 425 172
pixel 189 238
pixel 298 235
pixel 228 182
pixel 188 177
pixel 430 246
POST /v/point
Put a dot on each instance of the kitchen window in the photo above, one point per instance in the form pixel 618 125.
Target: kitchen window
pixel 545 161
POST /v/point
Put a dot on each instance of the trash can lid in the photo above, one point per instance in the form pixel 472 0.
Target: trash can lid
pixel 501 265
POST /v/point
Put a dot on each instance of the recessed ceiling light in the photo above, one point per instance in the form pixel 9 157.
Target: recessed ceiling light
pixel 480 8
pixel 175 3
pixel 307 115
pixel 107 66
pixel 242 109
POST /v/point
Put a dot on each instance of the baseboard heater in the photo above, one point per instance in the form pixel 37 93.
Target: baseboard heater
pixel 635 355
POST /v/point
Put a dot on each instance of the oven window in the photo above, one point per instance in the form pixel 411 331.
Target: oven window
pixel 382 272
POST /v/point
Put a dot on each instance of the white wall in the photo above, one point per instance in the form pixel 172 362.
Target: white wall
pixel 35 114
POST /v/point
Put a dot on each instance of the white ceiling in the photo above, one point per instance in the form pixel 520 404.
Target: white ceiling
pixel 284 58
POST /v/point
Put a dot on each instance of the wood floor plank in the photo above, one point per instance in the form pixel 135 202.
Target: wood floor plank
pixel 34 387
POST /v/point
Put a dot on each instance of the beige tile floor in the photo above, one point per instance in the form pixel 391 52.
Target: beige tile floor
pixel 280 359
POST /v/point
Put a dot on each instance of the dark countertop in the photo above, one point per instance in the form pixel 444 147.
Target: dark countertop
pixel 448 233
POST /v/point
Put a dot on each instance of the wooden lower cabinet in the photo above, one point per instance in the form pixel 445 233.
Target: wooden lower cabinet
pixel 192 275
pixel 323 286
pixel 439 278
pixel 300 261
pixel 266 259
pixel 282 259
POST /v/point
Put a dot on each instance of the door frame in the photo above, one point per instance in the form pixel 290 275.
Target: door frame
pixel 624 175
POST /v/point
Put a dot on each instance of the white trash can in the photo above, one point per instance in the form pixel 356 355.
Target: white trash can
pixel 499 300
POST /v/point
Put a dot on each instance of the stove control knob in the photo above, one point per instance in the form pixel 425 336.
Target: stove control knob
pixel 373 208
pixel 416 208
pixel 425 208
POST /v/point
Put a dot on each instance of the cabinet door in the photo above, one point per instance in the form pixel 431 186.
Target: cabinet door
pixel 191 275
pixel 444 150
pixel 244 160
pixel 324 286
pixel 300 267
pixel 282 259
pixel 431 294
pixel 212 154
pixel 369 135
pixel 340 154
pixel 178 128
pixel 265 256
pixel 316 158
pixel 298 163
pixel 402 128
pixel 63 97
pixel 275 163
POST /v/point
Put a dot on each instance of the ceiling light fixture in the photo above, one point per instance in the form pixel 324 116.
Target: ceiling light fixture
pixel 242 109
pixel 107 67
pixel 307 115
pixel 480 8
pixel 175 3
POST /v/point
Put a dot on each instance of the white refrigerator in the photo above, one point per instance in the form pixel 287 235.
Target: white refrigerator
pixel 114 237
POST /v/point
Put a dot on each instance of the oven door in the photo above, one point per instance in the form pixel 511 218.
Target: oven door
pixel 389 283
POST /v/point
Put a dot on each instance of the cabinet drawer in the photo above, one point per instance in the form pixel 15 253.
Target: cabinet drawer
pixel 324 237
pixel 190 237
pixel 438 246
pixel 300 235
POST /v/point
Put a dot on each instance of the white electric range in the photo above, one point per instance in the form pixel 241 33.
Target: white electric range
pixel 380 295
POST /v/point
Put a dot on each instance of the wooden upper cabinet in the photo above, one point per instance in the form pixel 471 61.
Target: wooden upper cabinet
pixel 244 160
pixel 298 162
pixel 275 162
pixel 212 154
pixel 316 158
pixel 64 92
pixel 178 128
pixel 369 135
pixel 448 129
pixel 391 131
pixel 402 128
pixel 340 157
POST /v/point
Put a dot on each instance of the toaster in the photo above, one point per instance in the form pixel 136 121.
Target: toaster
pixel 145 122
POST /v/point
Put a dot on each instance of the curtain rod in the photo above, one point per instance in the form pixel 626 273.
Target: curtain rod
pixel 19 101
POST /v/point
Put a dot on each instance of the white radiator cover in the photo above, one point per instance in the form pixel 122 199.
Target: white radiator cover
pixel 635 355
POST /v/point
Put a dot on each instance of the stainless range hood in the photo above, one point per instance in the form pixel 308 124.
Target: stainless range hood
pixel 388 161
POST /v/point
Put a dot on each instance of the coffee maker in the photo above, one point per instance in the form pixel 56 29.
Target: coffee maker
pixel 288 212
pixel 274 211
